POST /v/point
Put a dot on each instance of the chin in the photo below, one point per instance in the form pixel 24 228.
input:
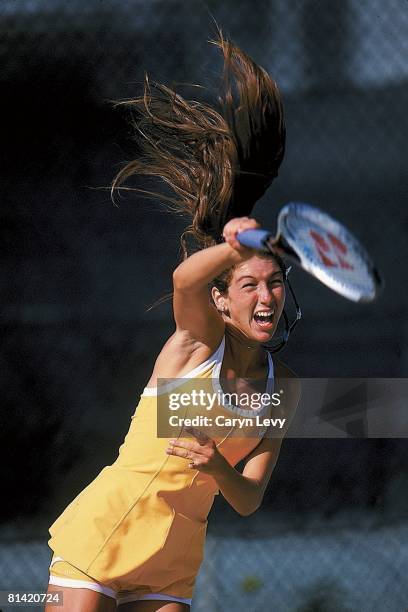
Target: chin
pixel 263 335
pixel 266 338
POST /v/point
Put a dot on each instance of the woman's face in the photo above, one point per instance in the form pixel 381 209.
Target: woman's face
pixel 255 298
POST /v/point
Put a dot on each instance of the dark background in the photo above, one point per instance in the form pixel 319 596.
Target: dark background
pixel 78 273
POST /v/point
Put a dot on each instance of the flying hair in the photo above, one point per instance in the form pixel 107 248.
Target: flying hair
pixel 217 162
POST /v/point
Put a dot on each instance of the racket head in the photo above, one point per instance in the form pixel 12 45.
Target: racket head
pixel 326 249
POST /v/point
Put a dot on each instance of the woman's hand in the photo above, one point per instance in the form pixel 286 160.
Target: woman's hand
pixel 202 453
pixel 234 227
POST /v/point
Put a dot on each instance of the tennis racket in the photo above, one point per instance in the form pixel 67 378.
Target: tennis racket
pixel 323 247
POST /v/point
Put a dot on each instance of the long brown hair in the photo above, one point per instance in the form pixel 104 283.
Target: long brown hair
pixel 217 164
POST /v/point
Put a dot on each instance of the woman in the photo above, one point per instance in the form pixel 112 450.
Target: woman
pixel 134 538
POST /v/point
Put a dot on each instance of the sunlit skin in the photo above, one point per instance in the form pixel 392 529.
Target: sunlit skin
pixel 256 285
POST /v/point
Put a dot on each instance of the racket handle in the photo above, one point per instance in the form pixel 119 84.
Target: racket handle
pixel 254 238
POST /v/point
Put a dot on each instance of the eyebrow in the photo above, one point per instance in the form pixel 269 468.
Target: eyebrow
pixel 253 277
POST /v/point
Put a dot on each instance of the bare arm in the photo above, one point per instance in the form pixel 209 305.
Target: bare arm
pixel 244 492
pixel 192 305
pixel 261 462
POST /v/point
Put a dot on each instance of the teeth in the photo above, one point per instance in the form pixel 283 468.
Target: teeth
pixel 264 314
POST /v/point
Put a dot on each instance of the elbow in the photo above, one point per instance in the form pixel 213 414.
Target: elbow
pixel 177 279
pixel 184 282
pixel 250 509
pixel 253 502
pixel 181 281
pixel 242 512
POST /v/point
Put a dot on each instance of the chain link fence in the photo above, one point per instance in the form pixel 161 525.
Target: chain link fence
pixel 338 569
pixel 343 71
pixel 342 68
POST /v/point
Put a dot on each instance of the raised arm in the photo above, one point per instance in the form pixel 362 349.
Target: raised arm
pixel 193 308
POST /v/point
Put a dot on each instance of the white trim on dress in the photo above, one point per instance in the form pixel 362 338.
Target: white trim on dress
pixel 82 584
pixel 216 359
pixel 100 588
pixel 213 359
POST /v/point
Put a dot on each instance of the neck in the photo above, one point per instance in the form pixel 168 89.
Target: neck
pixel 246 354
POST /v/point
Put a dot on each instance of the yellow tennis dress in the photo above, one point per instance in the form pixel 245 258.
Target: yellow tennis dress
pixel 140 525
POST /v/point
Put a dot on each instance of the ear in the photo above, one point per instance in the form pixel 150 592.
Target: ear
pixel 218 299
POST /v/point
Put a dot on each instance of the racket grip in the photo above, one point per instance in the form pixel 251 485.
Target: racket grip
pixel 254 238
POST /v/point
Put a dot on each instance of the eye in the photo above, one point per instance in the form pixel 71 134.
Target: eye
pixel 276 281
pixel 248 285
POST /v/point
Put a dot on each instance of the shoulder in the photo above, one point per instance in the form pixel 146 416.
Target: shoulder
pixel 180 354
pixel 184 343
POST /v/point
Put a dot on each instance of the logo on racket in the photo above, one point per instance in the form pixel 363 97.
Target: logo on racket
pixel 332 251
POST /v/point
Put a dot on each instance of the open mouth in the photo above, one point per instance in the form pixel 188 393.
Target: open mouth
pixel 264 318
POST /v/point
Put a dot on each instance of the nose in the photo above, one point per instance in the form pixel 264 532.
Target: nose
pixel 265 294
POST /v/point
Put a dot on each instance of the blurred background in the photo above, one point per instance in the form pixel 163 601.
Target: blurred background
pixel 78 275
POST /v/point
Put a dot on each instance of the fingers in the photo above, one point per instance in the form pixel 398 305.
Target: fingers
pixel 180 451
pixel 234 227
pixel 196 446
pixel 202 447
pixel 177 449
pixel 201 455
